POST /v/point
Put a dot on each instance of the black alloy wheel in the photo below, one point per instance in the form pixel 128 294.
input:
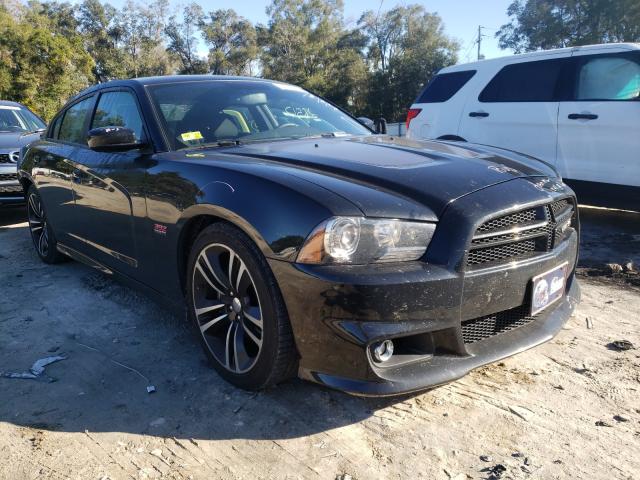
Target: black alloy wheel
pixel 41 233
pixel 237 309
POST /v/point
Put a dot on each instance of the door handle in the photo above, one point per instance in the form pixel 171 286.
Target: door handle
pixel 582 116
pixel 478 114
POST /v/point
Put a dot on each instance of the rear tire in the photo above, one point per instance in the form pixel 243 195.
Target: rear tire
pixel 44 239
pixel 237 310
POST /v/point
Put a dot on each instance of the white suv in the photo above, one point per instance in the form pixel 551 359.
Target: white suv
pixel 576 108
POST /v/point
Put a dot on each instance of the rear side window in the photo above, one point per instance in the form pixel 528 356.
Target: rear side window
pixel 525 82
pixel 609 77
pixel 72 127
pixel 444 86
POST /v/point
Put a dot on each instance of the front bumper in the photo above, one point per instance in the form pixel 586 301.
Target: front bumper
pixel 338 312
pixel 10 189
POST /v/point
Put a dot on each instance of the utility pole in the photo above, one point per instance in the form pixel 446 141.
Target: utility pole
pixel 480 27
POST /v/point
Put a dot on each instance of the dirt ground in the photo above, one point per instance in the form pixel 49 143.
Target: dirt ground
pixel 568 409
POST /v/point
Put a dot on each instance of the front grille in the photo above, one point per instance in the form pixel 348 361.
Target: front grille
pixel 478 329
pixel 491 254
pixel 520 234
pixel 8 177
pixel 4 158
pixel 507 221
pixel 11 188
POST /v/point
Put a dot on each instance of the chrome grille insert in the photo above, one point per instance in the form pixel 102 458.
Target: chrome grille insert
pixel 520 234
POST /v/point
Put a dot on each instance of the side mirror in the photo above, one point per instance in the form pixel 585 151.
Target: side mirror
pixel 367 122
pixel 113 138
pixel 381 126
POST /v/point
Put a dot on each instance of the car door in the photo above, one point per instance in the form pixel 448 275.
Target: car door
pixel 599 129
pixel 518 109
pixel 108 186
pixel 53 168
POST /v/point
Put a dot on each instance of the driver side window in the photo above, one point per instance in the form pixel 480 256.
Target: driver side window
pixel 118 109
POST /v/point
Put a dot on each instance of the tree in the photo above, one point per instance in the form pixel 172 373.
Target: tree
pixel 306 43
pixel 140 33
pixel 38 66
pixel 545 24
pixel 101 37
pixel 407 47
pixel 182 41
pixel 232 42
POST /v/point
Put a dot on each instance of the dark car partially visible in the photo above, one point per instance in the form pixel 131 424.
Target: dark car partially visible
pixel 19 126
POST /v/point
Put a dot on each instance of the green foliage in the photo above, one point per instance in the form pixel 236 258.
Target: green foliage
pixel 545 24
pixel 182 41
pixel 407 46
pixel 38 66
pixel 232 42
pixel 50 50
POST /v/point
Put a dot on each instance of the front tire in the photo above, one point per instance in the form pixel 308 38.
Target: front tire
pixel 42 234
pixel 237 310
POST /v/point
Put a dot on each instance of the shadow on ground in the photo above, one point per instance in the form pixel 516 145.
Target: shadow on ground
pixel 106 331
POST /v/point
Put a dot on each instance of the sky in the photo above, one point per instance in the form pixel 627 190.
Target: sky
pixel 461 17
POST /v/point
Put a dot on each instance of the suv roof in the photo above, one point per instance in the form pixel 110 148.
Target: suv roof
pixel 620 47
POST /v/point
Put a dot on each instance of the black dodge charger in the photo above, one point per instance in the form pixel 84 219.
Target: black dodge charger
pixel 301 242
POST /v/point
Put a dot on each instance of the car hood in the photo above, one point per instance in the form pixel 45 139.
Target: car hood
pixel 10 141
pixel 431 173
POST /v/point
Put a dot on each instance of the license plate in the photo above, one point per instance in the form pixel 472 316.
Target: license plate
pixel 548 288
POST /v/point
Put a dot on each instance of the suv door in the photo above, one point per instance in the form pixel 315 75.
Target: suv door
pixel 53 168
pixel 108 186
pixel 599 129
pixel 518 109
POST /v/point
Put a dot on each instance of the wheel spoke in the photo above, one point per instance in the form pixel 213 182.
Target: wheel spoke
pixel 227 345
pixel 42 243
pixel 254 320
pixel 203 310
pixel 241 271
pixel 208 279
pixel 251 335
pixel 240 353
pixel 206 326
pixel 215 270
pixel 32 203
pixel 232 256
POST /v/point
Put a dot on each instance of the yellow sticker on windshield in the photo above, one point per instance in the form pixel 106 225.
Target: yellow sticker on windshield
pixel 190 136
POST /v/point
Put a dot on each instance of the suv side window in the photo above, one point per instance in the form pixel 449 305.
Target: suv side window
pixel 74 120
pixel 444 86
pixel 118 109
pixel 526 82
pixel 609 77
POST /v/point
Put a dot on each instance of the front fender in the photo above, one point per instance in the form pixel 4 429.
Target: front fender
pixel 276 213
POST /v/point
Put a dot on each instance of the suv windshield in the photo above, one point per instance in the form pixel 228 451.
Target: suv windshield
pixel 19 119
pixel 217 112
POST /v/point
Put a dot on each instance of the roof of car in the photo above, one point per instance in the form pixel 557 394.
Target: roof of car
pixel 144 81
pixel 9 103
pixel 170 79
pixel 618 47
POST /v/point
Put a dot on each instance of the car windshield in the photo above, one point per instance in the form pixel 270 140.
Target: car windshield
pixel 219 112
pixel 18 119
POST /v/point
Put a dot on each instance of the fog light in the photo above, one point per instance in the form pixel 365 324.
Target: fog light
pixel 382 351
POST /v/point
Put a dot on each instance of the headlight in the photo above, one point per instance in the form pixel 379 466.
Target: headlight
pixel 357 240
